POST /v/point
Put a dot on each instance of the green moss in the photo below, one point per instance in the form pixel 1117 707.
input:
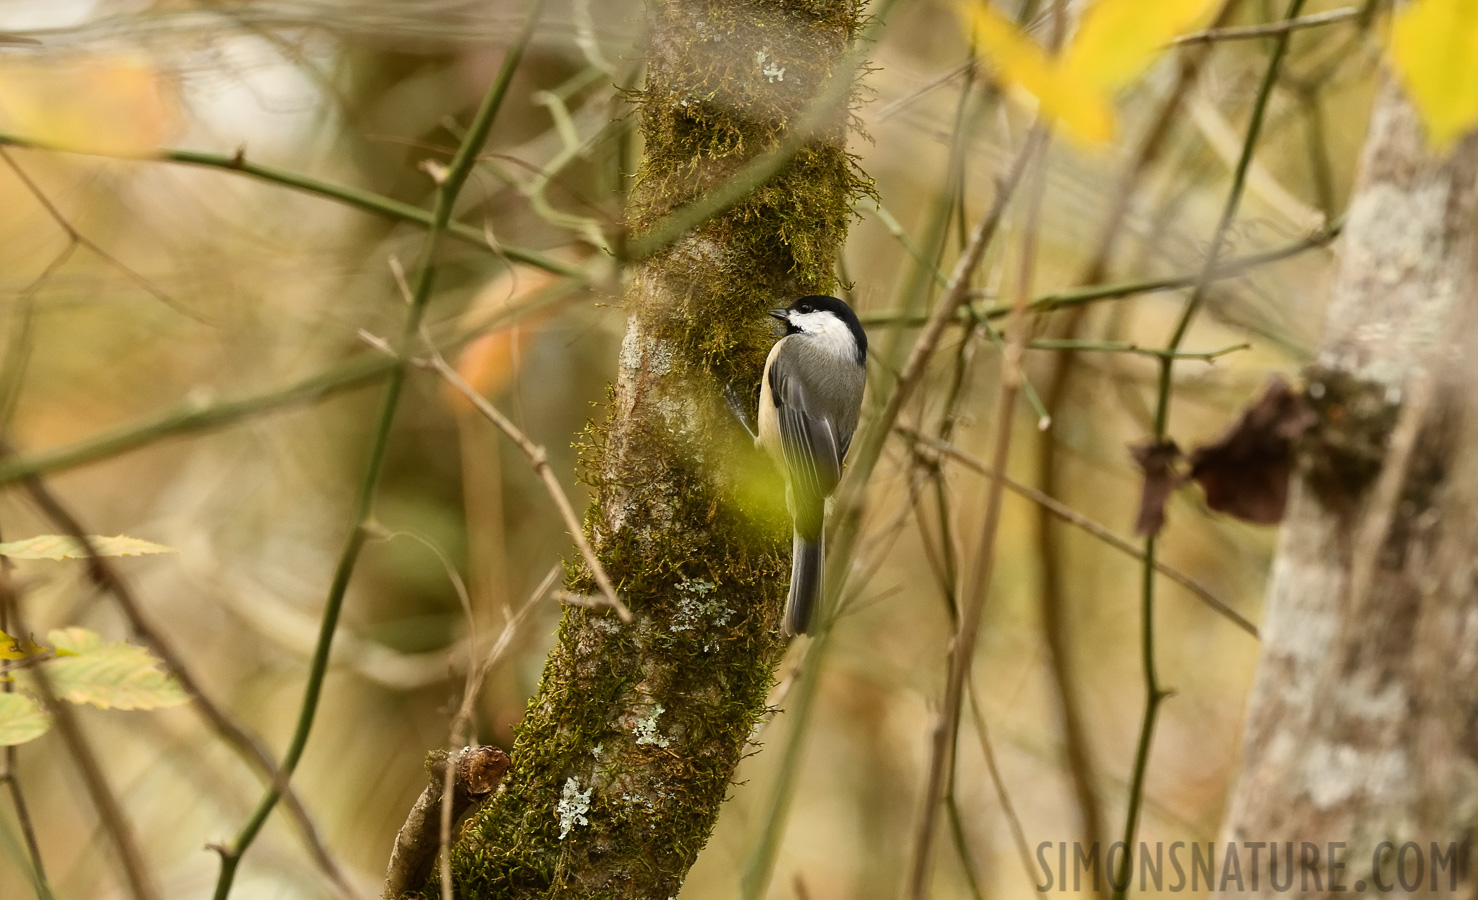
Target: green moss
pixel 700 125
pixel 651 718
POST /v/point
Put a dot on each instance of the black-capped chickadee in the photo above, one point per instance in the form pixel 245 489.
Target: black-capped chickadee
pixel 810 397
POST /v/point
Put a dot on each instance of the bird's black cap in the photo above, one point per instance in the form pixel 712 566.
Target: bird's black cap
pixel 839 308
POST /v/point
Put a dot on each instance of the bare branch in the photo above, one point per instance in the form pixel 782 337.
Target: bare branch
pixel 77 237
pixel 108 579
pixel 539 460
pixel 1075 518
pixel 138 881
pixel 1270 29
pixel 972 597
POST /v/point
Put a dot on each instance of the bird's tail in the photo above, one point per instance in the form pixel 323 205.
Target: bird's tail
pixel 807 565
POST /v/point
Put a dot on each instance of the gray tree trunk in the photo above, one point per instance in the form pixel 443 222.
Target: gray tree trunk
pixel 627 751
pixel 1363 726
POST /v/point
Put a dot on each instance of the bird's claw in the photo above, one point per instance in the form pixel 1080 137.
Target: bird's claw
pixel 736 406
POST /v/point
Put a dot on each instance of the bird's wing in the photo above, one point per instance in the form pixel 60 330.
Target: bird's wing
pixel 809 442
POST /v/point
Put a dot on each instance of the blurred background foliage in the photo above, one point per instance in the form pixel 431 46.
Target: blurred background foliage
pixel 196 285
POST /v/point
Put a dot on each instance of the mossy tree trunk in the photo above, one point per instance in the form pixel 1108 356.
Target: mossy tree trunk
pixel 1363 720
pixel 626 753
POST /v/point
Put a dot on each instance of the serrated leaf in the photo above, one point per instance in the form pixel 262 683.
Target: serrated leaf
pixel 64 546
pixel 75 641
pixel 1118 39
pixel 1434 50
pixel 109 675
pixel 21 719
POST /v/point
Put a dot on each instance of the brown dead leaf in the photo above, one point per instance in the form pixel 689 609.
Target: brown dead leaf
pixel 1157 460
pixel 1245 472
pixel 483 769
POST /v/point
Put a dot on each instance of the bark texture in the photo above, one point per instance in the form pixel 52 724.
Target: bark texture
pixel 1363 726
pixel 627 750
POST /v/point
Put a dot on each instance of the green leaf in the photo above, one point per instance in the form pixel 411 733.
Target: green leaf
pixel 1434 50
pixel 21 719
pixel 64 546
pixel 109 675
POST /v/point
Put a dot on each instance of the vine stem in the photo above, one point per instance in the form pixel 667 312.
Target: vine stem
pixel 1154 693
pixel 968 314
pixel 446 195
pixel 368 201
pixel 193 417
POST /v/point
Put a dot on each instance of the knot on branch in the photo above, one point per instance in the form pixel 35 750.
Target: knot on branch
pixel 476 773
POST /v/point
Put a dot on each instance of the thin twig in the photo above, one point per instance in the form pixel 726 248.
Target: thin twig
pixel 108 579
pixel 193 417
pixel 136 876
pixel 1154 693
pixel 82 240
pixel 949 579
pixel 891 109
pixel 1013 821
pixel 1271 29
pixel 460 721
pixel 1056 618
pixel 20 340
pixel 972 604
pixel 942 315
pixel 441 214
pixel 11 777
pixel 1073 517
pixel 1076 297
pixel 477 674
pixel 1384 496
pixel 539 460
pixel 847 517
pixel 11 774
pixel 1123 347
pixel 350 196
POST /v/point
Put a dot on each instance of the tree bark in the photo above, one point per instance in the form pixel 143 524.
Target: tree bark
pixel 626 753
pixel 1362 724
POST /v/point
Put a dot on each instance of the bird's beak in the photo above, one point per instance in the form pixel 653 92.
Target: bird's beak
pixel 781 314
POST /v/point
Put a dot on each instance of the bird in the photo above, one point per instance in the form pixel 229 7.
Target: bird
pixel 809 404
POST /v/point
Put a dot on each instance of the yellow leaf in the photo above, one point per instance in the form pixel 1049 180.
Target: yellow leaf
pixel 1020 63
pixel 1118 39
pixel 62 546
pixel 19 648
pixel 1434 50
pixel 9 648
pixel 115 104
